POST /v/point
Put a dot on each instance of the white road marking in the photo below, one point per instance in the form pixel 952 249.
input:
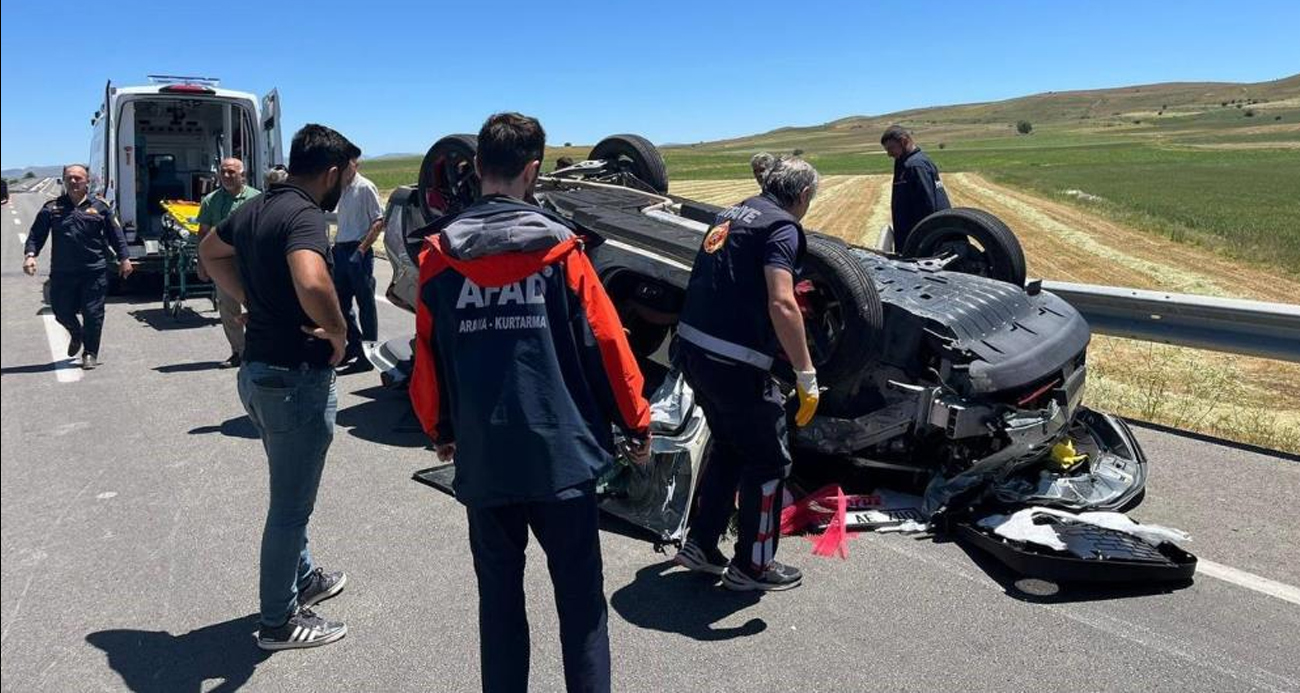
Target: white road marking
pixel 1250 581
pixel 65 369
pixel 1094 617
pixel 22 238
pixel 18 221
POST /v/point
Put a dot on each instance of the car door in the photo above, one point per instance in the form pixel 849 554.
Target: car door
pixel 272 142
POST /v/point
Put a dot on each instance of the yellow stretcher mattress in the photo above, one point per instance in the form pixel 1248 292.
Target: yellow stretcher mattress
pixel 183 214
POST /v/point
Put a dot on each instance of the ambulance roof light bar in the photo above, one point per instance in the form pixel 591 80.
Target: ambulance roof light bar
pixel 183 79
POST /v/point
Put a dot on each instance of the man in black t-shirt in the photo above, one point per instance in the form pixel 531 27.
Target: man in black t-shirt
pixel 272 255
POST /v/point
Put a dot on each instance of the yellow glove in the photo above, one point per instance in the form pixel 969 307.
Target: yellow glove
pixel 805 387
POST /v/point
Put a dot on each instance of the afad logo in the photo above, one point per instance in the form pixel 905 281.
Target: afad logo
pixel 717 237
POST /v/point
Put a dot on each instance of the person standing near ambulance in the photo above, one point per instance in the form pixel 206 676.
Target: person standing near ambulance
pixel 84 229
pixel 521 367
pixel 740 314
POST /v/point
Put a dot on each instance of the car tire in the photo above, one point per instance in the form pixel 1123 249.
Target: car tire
pixel 855 327
pixel 998 256
pixel 445 186
pixel 638 156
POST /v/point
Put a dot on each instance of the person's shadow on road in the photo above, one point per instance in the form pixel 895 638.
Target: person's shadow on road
pixel 39 367
pixel 385 417
pixel 238 427
pixel 159 661
pixel 696 604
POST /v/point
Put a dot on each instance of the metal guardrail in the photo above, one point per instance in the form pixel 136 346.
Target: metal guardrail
pixel 1252 328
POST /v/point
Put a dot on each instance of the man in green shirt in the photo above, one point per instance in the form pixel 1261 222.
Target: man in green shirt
pixel 213 210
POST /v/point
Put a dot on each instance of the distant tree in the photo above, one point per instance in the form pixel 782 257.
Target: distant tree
pixel 1238 105
pixel 942 145
pixel 1250 113
pixel 1164 106
pixel 1137 122
pixel 29 174
pixel 797 152
pixel 1277 117
pixel 568 144
pixel 1024 127
pixel 1223 104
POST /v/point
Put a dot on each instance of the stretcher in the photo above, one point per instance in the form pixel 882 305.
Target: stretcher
pixel 180 251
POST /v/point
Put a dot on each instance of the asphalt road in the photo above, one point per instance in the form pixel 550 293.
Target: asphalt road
pixel 132 505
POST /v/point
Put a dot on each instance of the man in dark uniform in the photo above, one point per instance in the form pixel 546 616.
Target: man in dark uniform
pixel 84 229
pixel 740 314
pixel 918 192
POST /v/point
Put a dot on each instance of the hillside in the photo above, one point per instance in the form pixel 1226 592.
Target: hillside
pixel 1182 110
pixel 1214 164
pixel 1209 163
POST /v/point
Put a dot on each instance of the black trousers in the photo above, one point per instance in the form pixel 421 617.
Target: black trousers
pixel 355 281
pixel 80 292
pixel 568 532
pixel 746 412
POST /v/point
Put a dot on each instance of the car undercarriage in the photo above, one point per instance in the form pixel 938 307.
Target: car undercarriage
pixel 949 375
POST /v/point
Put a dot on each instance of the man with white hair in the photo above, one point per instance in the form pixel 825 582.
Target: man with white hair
pixel 740 314
pixel 760 164
pixel 213 210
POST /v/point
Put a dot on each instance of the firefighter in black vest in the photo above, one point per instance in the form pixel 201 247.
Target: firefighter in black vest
pixel 740 315
pixel 918 191
pixel 84 229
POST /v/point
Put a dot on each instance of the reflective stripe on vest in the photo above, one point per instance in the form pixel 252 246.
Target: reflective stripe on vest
pixel 722 347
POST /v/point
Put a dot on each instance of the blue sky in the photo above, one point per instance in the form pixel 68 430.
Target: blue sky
pixel 396 76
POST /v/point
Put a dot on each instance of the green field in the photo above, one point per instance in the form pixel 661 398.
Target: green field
pixel 1181 160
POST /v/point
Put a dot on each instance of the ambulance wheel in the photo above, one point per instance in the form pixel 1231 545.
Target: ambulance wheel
pixel 842 315
pixel 448 182
pixel 975 241
pixel 634 155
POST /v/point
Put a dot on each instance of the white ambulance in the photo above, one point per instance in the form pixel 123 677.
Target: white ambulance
pixel 166 140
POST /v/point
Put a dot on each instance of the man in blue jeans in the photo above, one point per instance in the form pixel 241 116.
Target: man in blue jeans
pixel 272 255
pixel 361 219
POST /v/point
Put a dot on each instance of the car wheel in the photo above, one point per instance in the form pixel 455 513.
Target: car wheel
pixel 448 182
pixel 842 315
pixel 634 155
pixel 975 241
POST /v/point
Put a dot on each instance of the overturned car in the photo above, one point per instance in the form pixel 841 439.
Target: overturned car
pixel 946 371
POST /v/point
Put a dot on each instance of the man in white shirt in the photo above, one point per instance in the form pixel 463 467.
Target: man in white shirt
pixel 361 219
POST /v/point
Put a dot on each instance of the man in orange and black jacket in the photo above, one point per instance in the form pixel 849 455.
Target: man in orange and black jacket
pixel 521 367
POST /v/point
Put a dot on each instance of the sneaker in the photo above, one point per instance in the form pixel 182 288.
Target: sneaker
pixel 777 577
pixel 232 362
pixel 702 560
pixel 303 629
pixel 74 347
pixel 89 362
pixel 321 586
